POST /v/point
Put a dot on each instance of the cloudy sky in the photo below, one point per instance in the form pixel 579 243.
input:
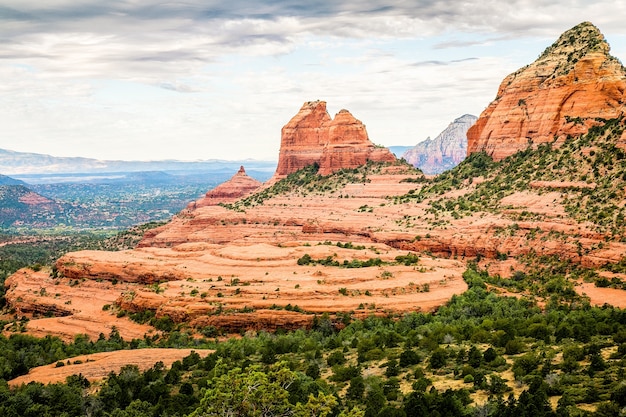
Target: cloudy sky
pixel 204 79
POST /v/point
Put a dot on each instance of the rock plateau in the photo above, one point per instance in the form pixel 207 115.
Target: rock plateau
pixel 573 82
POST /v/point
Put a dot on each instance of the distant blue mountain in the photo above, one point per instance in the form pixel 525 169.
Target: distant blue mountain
pixel 447 150
pixel 20 163
pixel 4 180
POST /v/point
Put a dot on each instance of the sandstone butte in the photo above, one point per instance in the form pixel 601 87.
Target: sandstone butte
pixel 312 137
pixel 559 95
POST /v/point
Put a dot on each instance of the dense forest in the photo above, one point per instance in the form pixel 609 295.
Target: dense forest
pixel 481 354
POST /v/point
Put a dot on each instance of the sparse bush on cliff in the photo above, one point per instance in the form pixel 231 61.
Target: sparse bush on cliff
pixel 306 181
pixel 592 163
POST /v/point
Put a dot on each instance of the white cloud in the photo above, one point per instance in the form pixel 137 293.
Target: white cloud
pixel 105 79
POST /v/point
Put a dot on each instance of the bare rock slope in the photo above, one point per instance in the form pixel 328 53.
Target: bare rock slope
pixel 573 82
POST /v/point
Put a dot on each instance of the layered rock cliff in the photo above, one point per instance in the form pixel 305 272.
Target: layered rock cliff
pixel 446 151
pixel 312 136
pixel 573 82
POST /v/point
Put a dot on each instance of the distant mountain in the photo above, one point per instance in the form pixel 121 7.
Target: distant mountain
pixel 103 199
pixel 13 163
pixel 4 180
pixel 20 205
pixel 446 151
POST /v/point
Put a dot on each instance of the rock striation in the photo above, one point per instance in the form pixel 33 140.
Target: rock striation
pixel 573 82
pixel 313 137
pixel 447 150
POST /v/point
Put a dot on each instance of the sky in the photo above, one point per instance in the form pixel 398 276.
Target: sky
pixel 206 79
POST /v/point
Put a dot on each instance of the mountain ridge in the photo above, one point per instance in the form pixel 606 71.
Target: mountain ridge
pixel 24 163
pixel 6 180
pixel 445 151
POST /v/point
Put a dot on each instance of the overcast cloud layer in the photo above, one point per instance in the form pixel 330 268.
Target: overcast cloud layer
pixel 140 79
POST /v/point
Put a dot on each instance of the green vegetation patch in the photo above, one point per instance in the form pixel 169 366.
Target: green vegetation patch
pixel 592 163
pixel 307 181
pixel 498 355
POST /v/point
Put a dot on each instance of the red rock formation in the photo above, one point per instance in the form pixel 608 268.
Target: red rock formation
pixel 229 269
pixel 348 145
pixel 98 366
pixel 311 136
pixel 65 307
pixel 303 138
pixel 33 199
pixel 574 81
pixel 240 185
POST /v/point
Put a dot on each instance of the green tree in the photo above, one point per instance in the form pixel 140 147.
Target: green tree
pixel 254 392
pixel 319 406
pixel 490 355
pixel 356 389
pixel 409 357
pixel 474 357
pixel 355 412
pixel 374 401
pixel 313 370
pixel 438 359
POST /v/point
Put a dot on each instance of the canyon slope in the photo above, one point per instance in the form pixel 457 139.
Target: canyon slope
pixel 379 238
pixel 559 95
pixel 447 150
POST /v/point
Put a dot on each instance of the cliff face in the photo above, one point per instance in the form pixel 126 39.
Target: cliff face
pixel 446 151
pixel 573 82
pixel 311 136
pixel 303 138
